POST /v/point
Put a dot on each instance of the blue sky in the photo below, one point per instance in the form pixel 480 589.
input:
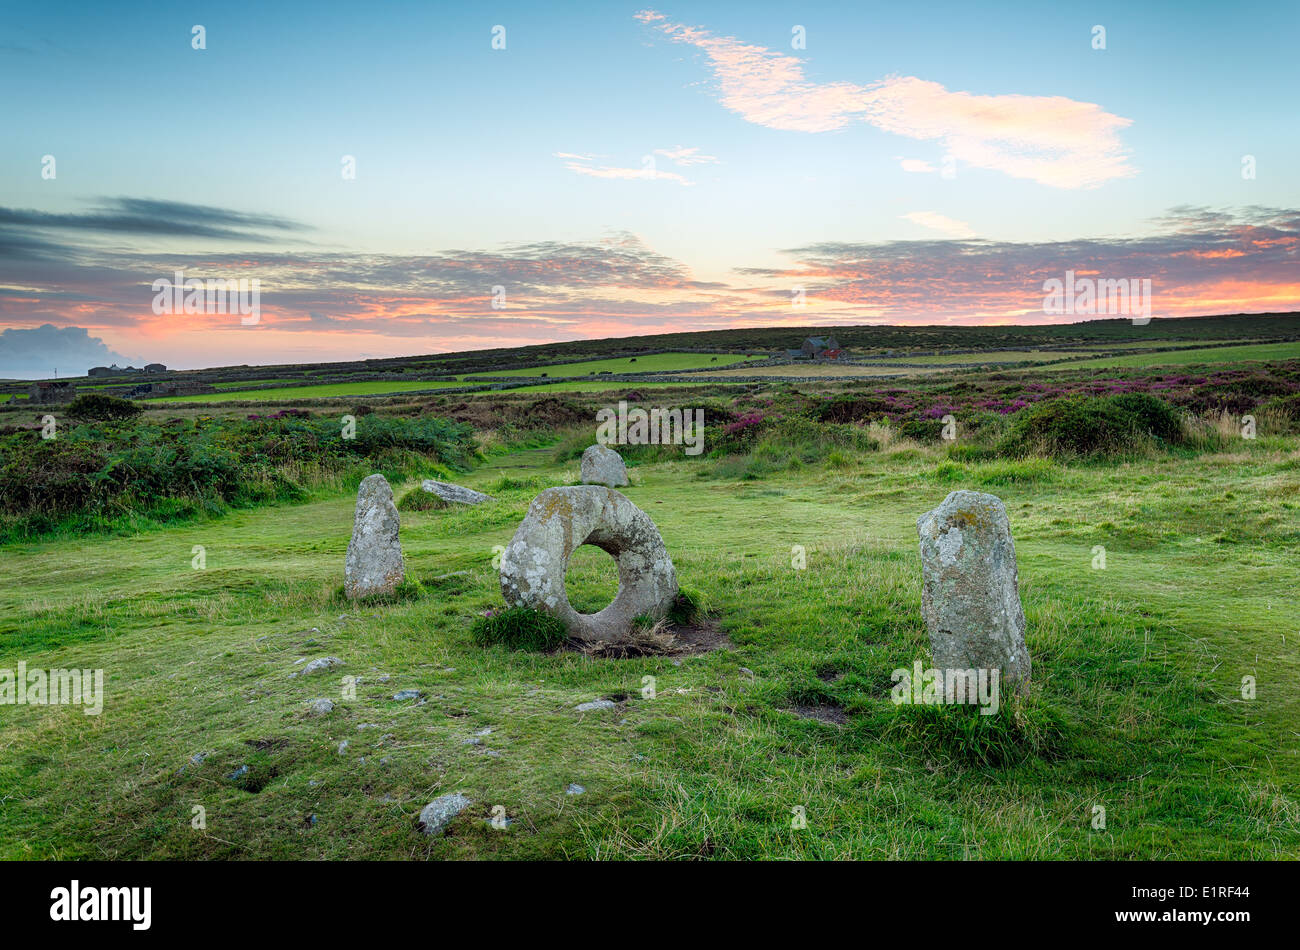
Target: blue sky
pixel 470 160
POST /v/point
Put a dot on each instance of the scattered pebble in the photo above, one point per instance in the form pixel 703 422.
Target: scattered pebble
pixel 574 789
pixel 406 694
pixel 594 705
pixel 198 757
pixel 320 707
pixel 343 747
pixel 238 773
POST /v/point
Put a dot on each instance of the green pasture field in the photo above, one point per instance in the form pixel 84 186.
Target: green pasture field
pixel 1137 704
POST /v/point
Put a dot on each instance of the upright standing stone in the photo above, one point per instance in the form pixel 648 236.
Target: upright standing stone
pixel 601 465
pixel 374 563
pixel 970 595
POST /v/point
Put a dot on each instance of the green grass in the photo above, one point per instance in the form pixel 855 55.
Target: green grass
pixel 597 385
pixel 245 383
pixel 993 356
pixel 1136 704
pixel 1219 354
pixel 651 363
pixel 320 391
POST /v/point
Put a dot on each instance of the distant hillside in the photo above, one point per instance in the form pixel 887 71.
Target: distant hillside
pixel 859 340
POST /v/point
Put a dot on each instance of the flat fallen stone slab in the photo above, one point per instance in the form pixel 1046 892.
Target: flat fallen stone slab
pixel 454 494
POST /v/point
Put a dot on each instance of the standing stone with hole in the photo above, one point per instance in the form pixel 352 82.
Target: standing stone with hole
pixel 374 563
pixel 559 521
pixel 970 594
pixel 601 465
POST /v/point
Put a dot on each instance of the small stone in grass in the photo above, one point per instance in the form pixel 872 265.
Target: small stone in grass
pixel 316 666
pixel 320 707
pixel 594 705
pixel 407 694
pixel 574 789
pixel 439 813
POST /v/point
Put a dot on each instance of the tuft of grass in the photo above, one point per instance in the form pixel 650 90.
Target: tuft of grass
pixel 1024 728
pixel 687 608
pixel 417 499
pixel 519 628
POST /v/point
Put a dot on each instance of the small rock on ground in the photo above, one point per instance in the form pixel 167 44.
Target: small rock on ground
pixel 439 813
pixel 316 666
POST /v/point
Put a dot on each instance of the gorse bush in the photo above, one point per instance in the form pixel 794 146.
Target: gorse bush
pixel 105 473
pixel 1086 426
pixel 106 408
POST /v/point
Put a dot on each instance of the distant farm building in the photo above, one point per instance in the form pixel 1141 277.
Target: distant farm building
pixel 52 391
pixel 155 368
pixel 818 348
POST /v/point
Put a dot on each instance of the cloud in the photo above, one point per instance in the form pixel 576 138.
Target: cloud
pixel 647 172
pixel 1199 261
pixel 939 222
pixel 1051 140
pixel 40 351
pixel 319 305
pixel 681 155
pixel 145 216
pixel 915 165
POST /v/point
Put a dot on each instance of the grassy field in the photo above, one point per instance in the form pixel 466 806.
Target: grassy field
pixel 598 386
pixel 651 363
pixel 322 391
pixel 1220 354
pixel 1136 705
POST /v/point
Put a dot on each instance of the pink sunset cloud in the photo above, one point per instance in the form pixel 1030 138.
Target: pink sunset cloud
pixel 1050 140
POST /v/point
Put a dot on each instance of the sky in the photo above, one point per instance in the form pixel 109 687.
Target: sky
pixel 405 178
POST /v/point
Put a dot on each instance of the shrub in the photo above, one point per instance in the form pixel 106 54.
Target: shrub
pixel 1286 408
pixel 102 408
pixel 519 628
pixel 1094 426
pixel 101 472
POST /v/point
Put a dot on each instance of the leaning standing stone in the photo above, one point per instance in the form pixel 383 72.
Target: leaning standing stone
pixel 601 465
pixel 374 563
pixel 970 595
